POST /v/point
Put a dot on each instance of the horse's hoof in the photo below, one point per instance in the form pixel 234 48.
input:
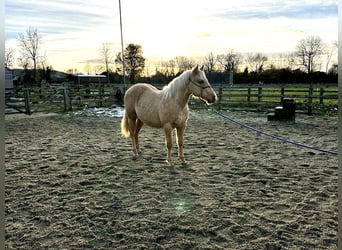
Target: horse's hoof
pixel 169 163
pixel 135 157
pixel 184 164
pixel 182 160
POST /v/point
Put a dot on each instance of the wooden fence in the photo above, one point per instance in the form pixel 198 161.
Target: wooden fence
pixel 70 96
pixel 308 98
pixel 63 97
pixel 31 100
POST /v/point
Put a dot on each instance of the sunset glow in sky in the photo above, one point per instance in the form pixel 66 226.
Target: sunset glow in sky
pixel 73 31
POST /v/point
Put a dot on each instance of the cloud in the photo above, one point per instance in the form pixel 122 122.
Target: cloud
pixel 73 31
pixel 288 9
pixel 53 17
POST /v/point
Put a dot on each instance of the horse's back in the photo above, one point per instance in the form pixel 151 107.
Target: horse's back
pixel 142 99
pixel 139 89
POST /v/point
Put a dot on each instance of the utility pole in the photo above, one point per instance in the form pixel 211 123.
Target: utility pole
pixel 122 51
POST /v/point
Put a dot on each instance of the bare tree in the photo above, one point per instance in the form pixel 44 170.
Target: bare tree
pixel 29 48
pixel 9 57
pixel 229 61
pixel 287 60
pixel 308 49
pixel 184 63
pixel 106 56
pixel 72 71
pixel 87 68
pixel 209 63
pixel 43 62
pixel 333 69
pixel 256 62
pixel 98 69
pixel 329 52
pixel 169 67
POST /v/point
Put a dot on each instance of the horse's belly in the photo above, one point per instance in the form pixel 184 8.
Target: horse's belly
pixel 157 116
pixel 155 123
pixel 149 115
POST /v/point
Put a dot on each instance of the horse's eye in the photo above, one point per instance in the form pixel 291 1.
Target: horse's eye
pixel 200 81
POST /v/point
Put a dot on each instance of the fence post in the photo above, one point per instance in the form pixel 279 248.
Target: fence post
pixel 282 94
pixel 321 93
pixel 259 98
pixel 67 99
pixel 220 97
pixel 249 95
pixel 310 101
pixel 101 93
pixel 27 102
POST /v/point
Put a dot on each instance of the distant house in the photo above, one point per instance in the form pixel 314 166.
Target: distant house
pixel 89 79
pixel 58 76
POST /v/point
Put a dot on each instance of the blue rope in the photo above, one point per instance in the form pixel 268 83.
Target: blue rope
pixel 274 136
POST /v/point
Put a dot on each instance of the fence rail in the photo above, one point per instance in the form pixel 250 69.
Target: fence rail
pixel 68 96
pixel 262 97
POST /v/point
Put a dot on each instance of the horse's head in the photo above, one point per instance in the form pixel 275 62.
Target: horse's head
pixel 200 86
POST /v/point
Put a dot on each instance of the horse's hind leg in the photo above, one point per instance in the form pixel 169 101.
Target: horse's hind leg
pixel 138 126
pixel 131 127
pixel 180 133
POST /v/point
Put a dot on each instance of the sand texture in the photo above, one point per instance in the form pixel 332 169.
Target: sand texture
pixel 71 183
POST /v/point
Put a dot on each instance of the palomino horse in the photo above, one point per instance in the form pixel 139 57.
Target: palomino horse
pixel 166 108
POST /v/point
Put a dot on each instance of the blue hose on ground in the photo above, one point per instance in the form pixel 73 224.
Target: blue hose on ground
pixel 274 136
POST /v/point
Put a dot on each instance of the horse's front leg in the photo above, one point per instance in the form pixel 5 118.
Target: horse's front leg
pixel 168 141
pixel 180 134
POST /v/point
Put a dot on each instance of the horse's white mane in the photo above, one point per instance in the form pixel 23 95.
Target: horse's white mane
pixel 177 83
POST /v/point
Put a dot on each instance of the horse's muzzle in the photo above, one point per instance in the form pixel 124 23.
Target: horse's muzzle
pixel 212 98
pixel 209 99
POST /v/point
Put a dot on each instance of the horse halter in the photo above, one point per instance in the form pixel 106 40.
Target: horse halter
pixel 198 85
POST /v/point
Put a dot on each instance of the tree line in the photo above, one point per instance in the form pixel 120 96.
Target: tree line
pixel 303 65
pixel 300 66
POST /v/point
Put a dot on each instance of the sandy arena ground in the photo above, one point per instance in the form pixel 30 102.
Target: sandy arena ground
pixel 71 183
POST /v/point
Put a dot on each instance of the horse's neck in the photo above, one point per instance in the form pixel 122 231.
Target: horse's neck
pixel 182 95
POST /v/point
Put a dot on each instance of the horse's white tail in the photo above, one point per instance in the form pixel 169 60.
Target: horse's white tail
pixel 124 126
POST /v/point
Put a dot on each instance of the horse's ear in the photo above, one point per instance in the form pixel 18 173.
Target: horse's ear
pixel 195 69
pixel 202 67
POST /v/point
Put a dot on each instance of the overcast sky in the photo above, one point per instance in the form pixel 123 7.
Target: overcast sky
pixel 73 31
